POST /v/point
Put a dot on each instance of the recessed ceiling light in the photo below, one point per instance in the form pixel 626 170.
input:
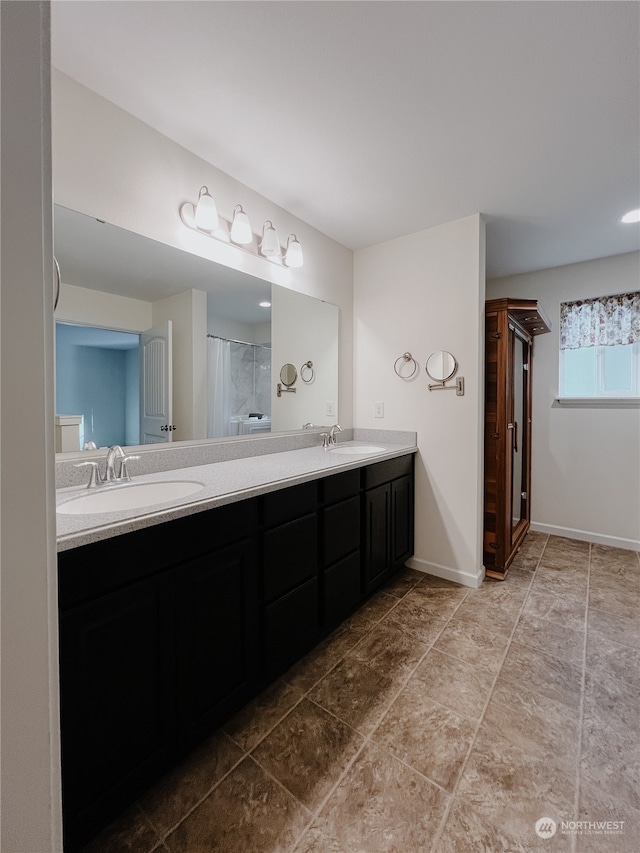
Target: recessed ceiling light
pixel 265 304
pixel 632 216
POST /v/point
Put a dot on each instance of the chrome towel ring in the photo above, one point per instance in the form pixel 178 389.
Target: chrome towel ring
pixel 308 366
pixel 408 360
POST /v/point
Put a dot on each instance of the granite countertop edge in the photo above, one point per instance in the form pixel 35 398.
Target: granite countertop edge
pixel 224 483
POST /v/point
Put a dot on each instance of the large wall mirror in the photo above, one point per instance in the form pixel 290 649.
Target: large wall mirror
pixel 155 344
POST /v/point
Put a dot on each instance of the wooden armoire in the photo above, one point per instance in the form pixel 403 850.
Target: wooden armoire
pixel 510 327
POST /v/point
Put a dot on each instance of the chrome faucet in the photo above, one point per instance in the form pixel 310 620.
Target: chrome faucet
pixel 115 455
pixel 332 434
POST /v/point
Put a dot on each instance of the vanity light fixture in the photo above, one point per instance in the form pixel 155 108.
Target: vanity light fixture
pixel 240 227
pixel 270 244
pixel 293 252
pixel 203 217
pixel 206 212
pixel 631 217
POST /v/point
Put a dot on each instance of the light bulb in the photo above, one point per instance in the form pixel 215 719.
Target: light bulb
pixel 240 227
pixel 270 244
pixel 206 215
pixel 631 216
pixel 293 254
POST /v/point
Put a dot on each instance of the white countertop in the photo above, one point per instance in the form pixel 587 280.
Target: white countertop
pixel 224 482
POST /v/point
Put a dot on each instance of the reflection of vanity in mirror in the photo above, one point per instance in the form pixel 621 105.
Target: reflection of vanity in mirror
pixel 154 344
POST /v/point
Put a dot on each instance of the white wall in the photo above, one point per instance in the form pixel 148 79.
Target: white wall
pixel 188 313
pixel 29 728
pixel 106 310
pixel 109 165
pixel 422 293
pixel 585 461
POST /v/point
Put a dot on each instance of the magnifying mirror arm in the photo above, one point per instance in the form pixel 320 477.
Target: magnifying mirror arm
pixel 282 390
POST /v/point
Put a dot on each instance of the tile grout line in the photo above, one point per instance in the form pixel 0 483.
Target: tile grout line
pixel 447 811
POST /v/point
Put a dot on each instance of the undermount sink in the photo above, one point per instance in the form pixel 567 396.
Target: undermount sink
pixel 129 496
pixel 352 449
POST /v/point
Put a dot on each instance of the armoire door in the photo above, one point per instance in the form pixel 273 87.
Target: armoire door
pixel 519 430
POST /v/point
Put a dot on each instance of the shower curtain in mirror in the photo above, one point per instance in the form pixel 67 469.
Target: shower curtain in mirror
pixel 219 388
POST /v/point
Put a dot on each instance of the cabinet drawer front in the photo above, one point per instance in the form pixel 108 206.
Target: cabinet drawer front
pixel 383 472
pixel 340 486
pixel 287 504
pixel 291 627
pixel 341 530
pixel 341 589
pixel 290 556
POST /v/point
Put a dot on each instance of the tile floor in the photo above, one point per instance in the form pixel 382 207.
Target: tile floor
pixel 438 719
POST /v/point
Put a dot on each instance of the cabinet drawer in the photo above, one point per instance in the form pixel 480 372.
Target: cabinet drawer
pixel 341 589
pixel 340 486
pixel 287 504
pixel 383 472
pixel 291 627
pixel 341 530
pixel 290 556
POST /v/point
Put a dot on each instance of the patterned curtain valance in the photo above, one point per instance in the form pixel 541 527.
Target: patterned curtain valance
pixel 602 322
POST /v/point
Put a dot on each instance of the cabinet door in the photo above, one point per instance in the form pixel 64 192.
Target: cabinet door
pixel 291 627
pixel 217 631
pixel 116 684
pixel 401 521
pixel 377 516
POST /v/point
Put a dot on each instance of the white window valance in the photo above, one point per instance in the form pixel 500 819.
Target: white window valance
pixel 601 322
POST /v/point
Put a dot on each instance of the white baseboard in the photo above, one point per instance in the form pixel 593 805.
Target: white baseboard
pixel 447 573
pixel 587 536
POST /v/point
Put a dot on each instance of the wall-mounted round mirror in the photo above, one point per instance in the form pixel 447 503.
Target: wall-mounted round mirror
pixel 288 375
pixel 441 365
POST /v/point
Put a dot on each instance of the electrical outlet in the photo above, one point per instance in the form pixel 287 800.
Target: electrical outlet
pixel 378 410
pixel 330 409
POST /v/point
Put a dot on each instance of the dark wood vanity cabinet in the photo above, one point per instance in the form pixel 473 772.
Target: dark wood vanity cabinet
pixel 510 326
pixel 166 631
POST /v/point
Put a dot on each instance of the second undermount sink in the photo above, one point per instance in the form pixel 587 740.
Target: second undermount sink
pixel 352 449
pixel 129 496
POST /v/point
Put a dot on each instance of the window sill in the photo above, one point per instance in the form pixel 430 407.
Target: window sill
pixel 597 402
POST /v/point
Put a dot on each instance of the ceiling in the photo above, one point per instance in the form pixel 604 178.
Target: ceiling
pixel 372 120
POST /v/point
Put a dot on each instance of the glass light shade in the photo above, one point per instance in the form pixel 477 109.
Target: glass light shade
pixel 632 216
pixel 270 245
pixel 293 254
pixel 240 226
pixel 206 215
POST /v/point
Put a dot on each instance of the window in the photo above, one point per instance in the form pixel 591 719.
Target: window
pixel 600 347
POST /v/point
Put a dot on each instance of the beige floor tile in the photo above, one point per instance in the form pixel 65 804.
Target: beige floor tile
pixel 454 683
pixel 315 840
pixel 605 657
pixel 389 650
pixel 543 674
pixel 544 728
pixel 180 790
pixel 372 611
pixel 569 546
pixel 481 613
pixel 316 664
pixel 564 583
pixel 616 601
pixel 356 693
pixel 382 806
pixel 619 628
pixel 597 804
pixel 308 752
pixel 478 646
pixel 402 582
pixel 434 582
pixel 553 638
pixel 544 603
pixel 429 737
pixel 420 618
pixel 255 720
pixel 248 811
pixel 508 787
pixel 607 560
pixel 130 833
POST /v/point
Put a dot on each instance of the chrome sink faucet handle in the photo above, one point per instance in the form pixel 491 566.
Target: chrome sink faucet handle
pixel 114 453
pixel 332 434
pixel 95 479
pixel 325 440
pixel 124 472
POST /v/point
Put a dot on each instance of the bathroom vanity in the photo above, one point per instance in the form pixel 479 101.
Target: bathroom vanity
pixel 167 629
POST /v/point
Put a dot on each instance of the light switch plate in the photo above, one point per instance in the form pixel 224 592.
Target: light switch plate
pixel 330 409
pixel 378 409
